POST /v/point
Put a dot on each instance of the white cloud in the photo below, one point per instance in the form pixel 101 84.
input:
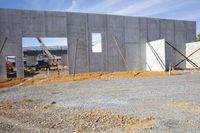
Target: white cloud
pixel 74 1
pixel 103 6
pixel 173 9
pixel 162 8
pixel 194 15
pixel 75 6
pixel 139 6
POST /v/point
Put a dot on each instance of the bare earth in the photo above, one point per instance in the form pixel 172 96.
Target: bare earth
pixel 42 77
pixel 153 104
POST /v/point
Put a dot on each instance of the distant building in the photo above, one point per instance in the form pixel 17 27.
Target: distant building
pixel 31 53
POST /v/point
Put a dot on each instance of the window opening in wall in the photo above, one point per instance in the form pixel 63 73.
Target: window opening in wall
pixel 96 43
pixel 11 66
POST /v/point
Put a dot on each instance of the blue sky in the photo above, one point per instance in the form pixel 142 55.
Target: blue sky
pixel 33 42
pixel 172 9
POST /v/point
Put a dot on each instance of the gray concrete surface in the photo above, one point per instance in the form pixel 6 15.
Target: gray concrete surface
pixel 141 97
pixel 131 32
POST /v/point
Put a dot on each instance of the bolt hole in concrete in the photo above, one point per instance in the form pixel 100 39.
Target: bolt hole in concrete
pixel 45 56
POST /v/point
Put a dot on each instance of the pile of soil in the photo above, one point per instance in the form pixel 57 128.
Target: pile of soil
pixel 94 76
pixel 69 119
pixel 6 83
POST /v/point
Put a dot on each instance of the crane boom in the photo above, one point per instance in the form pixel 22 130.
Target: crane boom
pixel 45 49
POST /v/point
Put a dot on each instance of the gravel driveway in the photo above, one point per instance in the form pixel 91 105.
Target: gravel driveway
pixel 156 104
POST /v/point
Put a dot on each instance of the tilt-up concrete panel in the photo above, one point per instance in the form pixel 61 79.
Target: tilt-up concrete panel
pixel 153 29
pixel 155 55
pixel 193 51
pixel 115 38
pixel 33 23
pixel 180 41
pixel 56 24
pixel 77 40
pixel 10 27
pixel 167 32
pixel 64 59
pixel 143 39
pixel 132 43
pixel 131 34
pixel 97 24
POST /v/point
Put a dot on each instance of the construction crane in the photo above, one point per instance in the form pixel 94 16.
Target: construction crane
pixel 46 60
pixel 45 50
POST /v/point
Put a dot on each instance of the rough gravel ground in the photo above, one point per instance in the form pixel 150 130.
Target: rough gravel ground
pixel 157 104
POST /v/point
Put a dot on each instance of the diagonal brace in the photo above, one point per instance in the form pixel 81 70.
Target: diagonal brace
pixel 191 62
pixel 4 42
pixel 187 57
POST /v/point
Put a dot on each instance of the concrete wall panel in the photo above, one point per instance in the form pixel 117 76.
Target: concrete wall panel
pixel 97 25
pixel 143 39
pixel 132 42
pixel 20 66
pixel 10 30
pixel 97 59
pixel 191 48
pixel 77 31
pixel 97 21
pixel 153 29
pixel 64 59
pixel 155 63
pixel 191 35
pixel 132 22
pixel 115 30
pixel 56 24
pixel 3 73
pixel 33 24
pixel 10 16
pixel 180 42
pixel 167 32
pixel 133 56
pixel 132 33
pixel 77 19
pixel 115 21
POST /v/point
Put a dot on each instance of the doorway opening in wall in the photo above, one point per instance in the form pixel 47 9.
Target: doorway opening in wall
pixel 44 56
pixel 11 66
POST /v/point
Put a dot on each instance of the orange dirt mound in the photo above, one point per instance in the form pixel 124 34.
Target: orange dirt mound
pixel 5 83
pixel 10 82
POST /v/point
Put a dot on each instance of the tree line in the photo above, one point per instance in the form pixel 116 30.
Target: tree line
pixel 198 37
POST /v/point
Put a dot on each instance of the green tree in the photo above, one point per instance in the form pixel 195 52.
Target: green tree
pixel 198 37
